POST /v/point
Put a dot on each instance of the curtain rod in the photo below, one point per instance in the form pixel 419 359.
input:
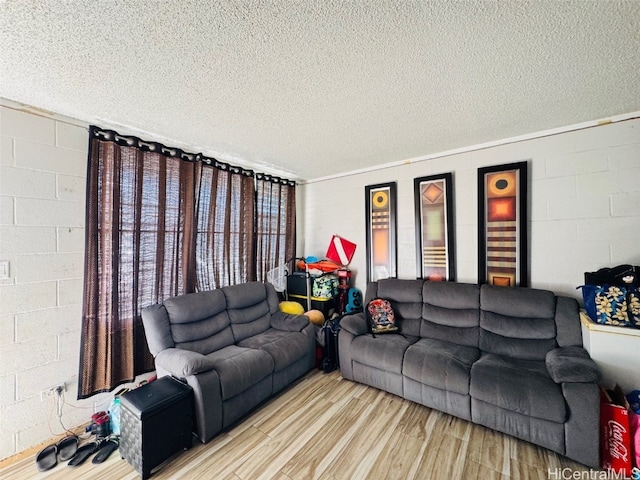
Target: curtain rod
pixel 135 142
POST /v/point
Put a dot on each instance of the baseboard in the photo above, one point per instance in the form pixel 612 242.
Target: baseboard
pixel 33 451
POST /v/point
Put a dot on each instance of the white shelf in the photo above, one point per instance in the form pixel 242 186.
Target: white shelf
pixel 616 350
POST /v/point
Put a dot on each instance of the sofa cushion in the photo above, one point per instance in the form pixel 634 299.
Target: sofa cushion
pixel 440 364
pixel 384 352
pixel 517 322
pixel 451 312
pixel 240 368
pixel 461 297
pixel 157 328
pixel 520 348
pixel 193 307
pixel 522 386
pixel 205 336
pixel 568 329
pixel 283 347
pixel 248 308
pixel 571 364
pixel 406 300
pixel 199 321
pixel 355 323
pixel 182 363
pixel 290 323
pixel 519 302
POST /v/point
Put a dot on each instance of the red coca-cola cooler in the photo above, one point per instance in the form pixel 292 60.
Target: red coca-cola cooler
pixel 615 432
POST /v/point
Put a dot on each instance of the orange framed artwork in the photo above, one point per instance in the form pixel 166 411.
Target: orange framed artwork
pixel 502 225
pixel 380 203
pixel 435 255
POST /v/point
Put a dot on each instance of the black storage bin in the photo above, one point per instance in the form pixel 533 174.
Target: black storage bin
pixel 325 305
pixel 155 423
pixel 297 283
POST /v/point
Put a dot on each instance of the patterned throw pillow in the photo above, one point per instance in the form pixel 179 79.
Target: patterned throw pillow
pixel 381 317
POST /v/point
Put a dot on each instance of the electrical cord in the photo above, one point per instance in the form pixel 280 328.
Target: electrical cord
pixel 57 405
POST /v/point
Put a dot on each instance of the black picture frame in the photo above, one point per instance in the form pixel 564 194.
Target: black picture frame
pixel 502 225
pixel 382 253
pixel 435 227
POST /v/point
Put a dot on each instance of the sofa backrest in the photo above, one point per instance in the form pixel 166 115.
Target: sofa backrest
pixel 195 321
pixel 517 322
pixel 208 321
pixel 451 312
pixel 157 328
pixel 250 306
pixel 199 321
pixel 568 329
pixel 406 300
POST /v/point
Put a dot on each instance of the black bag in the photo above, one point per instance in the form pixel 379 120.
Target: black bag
pixel 330 359
pixel 627 276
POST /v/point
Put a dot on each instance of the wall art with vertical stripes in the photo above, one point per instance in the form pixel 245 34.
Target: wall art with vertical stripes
pixel 502 225
pixel 435 227
pixel 380 202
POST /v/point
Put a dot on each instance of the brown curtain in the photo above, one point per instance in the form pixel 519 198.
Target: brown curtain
pixel 160 222
pixel 276 223
pixel 225 224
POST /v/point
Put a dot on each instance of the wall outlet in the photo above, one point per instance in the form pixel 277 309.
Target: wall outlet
pixel 53 391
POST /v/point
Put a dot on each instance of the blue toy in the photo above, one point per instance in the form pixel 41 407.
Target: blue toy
pixel 634 401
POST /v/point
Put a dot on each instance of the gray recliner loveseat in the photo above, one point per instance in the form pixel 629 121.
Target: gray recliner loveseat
pixel 232 345
pixel 508 358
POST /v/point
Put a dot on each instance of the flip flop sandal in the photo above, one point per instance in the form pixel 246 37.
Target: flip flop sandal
pixel 82 454
pixel 47 458
pixel 67 447
pixel 106 449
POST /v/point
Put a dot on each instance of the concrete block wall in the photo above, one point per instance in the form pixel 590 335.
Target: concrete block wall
pixel 584 205
pixel 43 163
pixel 584 214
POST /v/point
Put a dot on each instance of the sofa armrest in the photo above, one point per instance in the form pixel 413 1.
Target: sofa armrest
pixel 571 364
pixel 288 322
pixel 182 363
pixel 356 324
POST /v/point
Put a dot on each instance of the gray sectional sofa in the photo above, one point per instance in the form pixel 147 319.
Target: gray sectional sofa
pixel 510 359
pixel 232 345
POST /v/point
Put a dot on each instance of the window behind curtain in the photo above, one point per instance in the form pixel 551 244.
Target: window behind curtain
pixel 160 222
pixel 225 224
pixel 134 249
pixel 275 223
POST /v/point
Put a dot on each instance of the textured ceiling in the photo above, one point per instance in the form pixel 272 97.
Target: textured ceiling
pixel 310 88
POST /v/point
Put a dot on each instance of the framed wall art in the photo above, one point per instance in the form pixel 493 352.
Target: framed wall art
pixel 435 256
pixel 502 225
pixel 380 203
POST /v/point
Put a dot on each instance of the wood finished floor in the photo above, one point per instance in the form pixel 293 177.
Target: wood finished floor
pixel 325 427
